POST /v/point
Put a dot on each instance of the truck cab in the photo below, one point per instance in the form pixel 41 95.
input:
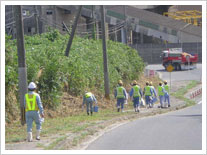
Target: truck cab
pixel 178 59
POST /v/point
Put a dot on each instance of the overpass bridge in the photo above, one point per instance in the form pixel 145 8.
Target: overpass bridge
pixel 141 24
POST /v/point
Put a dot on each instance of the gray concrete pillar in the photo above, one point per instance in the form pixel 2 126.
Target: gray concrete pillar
pixel 123 35
pixel 141 38
pixel 107 30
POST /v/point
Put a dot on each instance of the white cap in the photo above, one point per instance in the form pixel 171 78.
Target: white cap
pixel 32 85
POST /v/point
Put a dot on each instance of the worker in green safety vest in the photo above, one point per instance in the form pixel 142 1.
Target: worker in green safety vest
pixel 121 95
pixel 154 95
pixel 89 99
pixel 34 109
pixel 161 93
pixel 148 94
pixel 167 93
pixel 136 93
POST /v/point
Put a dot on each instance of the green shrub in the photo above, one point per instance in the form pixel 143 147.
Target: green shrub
pixel 82 69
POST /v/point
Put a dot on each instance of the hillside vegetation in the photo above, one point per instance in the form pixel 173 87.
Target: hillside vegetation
pixel 55 73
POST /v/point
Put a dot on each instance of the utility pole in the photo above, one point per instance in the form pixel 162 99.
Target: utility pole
pixel 105 64
pixel 22 70
pixel 13 25
pixel 125 28
pixel 115 34
pixel 73 31
pixel 36 20
pixel 94 24
pixel 97 30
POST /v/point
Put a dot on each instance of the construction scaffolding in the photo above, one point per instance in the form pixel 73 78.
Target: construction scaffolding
pixel 191 16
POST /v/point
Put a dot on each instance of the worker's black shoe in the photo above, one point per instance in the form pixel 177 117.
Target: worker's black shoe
pixel 168 105
pixel 37 138
pixel 88 113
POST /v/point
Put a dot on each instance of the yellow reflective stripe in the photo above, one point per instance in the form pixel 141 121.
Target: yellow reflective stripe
pixel 36 106
pixel 30 101
pixel 28 106
pixel 33 102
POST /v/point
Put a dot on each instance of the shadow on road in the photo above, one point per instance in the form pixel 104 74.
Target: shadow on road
pixel 163 70
pixel 198 115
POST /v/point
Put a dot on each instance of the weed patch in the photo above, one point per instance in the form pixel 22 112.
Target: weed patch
pixel 180 93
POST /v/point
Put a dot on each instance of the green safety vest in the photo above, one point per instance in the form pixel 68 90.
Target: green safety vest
pixel 87 95
pixel 31 103
pixel 136 91
pixel 166 88
pixel 147 91
pixel 160 91
pixel 120 93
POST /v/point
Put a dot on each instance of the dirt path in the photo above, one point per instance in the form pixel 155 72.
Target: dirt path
pixel 66 141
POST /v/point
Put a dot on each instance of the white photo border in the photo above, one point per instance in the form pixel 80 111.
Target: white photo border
pixel 3 151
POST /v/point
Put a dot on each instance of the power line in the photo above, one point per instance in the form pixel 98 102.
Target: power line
pixel 113 29
pixel 60 26
pixel 53 23
pixel 93 22
pixel 70 25
pixel 100 33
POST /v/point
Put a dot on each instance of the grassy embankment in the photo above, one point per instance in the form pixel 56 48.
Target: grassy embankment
pixel 60 126
pixel 58 76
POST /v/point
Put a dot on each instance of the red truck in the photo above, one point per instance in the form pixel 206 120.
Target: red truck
pixel 178 59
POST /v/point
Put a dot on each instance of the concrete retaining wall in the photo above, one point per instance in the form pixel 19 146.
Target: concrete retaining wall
pixel 150 53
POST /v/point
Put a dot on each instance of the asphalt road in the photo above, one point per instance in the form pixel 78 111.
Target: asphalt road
pixel 195 74
pixel 179 130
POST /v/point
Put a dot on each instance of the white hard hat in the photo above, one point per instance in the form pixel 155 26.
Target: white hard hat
pixel 32 85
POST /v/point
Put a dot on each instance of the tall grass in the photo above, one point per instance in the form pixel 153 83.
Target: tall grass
pixel 53 72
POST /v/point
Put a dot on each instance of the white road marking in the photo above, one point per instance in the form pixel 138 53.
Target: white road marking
pixel 200 102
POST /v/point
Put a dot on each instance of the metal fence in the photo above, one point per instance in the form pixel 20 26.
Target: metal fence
pixel 150 53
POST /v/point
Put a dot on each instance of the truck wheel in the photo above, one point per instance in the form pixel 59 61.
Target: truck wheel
pixel 179 67
pixel 175 66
